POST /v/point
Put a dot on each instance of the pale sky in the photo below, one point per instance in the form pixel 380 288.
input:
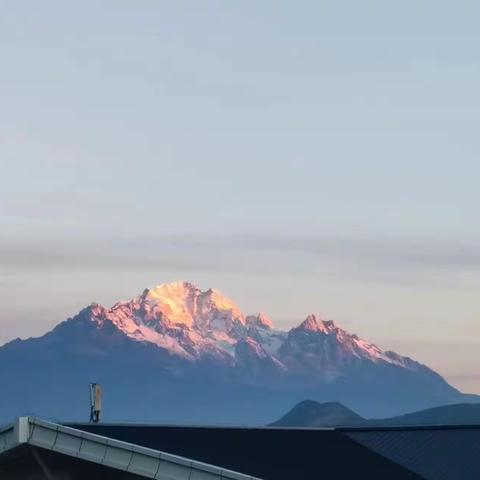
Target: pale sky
pixel 301 157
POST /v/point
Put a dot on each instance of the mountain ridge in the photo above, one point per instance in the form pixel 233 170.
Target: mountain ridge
pixel 183 312
pixel 193 355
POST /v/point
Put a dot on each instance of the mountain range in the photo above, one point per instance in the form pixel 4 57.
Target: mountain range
pixel 176 353
pixel 311 414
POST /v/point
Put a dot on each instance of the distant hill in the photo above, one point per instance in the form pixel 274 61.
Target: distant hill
pixel 311 414
pixel 459 414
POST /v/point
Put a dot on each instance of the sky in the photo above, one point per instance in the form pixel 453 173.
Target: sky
pixel 312 156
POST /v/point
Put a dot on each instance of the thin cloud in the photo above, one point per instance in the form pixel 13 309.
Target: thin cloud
pixel 193 251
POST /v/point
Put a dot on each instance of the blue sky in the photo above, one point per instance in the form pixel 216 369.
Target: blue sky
pixel 316 156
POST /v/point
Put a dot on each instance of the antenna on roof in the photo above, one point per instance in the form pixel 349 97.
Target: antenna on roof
pixel 95 402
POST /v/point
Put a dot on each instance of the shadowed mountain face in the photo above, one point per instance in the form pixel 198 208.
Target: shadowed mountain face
pixel 179 354
pixel 311 414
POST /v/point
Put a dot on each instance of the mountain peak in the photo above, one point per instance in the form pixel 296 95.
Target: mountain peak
pixel 93 311
pixel 182 302
pixel 261 320
pixel 314 324
pixel 179 288
pixel 181 318
pixel 184 294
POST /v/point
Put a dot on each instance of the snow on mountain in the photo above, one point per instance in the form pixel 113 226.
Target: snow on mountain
pixel 194 324
pixel 251 356
pixel 185 321
pixel 323 346
pixel 260 320
pixel 182 303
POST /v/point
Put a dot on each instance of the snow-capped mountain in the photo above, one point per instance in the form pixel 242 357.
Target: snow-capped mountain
pixel 323 347
pixel 193 324
pixel 186 322
pixel 183 354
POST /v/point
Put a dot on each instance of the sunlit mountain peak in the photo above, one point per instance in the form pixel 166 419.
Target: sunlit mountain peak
pixel 316 324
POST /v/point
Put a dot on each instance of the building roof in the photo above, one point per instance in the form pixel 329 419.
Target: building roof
pixel 268 453
pixel 416 452
pixel 435 453
pixel 28 436
pixel 127 452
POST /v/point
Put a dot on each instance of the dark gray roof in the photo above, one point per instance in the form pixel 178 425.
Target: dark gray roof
pixel 396 453
pixel 435 453
pixel 268 453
